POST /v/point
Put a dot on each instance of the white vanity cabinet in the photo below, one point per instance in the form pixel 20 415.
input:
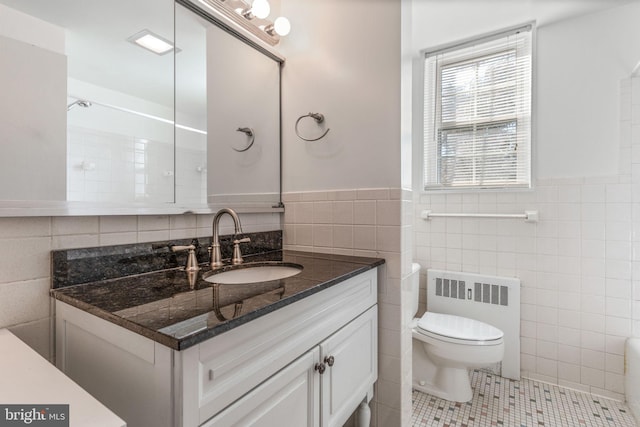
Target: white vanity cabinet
pixel 352 367
pixel 321 388
pixel 264 372
pixel 292 394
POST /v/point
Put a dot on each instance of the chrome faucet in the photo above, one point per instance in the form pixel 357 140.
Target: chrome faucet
pixel 216 257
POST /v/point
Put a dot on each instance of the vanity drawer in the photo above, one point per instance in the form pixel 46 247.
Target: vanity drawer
pixel 221 370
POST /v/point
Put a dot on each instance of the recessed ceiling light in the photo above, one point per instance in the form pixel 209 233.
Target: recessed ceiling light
pixel 152 42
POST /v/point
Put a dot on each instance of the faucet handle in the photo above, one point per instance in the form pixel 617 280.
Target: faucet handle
pixel 237 254
pixel 192 260
pixel 176 248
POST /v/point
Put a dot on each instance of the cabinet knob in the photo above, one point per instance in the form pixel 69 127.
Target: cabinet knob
pixel 320 367
pixel 329 360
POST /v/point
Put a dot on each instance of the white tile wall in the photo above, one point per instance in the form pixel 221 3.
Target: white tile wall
pixel 375 223
pixel 25 261
pixel 630 134
pixel 578 265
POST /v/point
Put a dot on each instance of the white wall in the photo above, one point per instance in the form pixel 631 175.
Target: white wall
pixel 32 125
pixel 579 68
pixel 406 95
pixel 256 106
pixel 579 65
pixel 343 60
pixel 20 26
pixel 342 193
pixel 576 263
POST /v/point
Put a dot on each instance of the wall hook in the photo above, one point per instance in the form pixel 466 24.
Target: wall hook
pixel 319 118
pixel 249 132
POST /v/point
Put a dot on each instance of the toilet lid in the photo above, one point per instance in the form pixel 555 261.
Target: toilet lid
pixel 458 327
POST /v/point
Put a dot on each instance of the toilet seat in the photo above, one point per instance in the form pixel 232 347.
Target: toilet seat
pixel 458 329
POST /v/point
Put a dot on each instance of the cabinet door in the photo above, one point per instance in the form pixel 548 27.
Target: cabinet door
pixel 224 368
pixel 354 369
pixel 290 397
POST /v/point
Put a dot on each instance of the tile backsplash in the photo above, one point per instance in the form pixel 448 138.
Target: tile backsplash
pixel 83 265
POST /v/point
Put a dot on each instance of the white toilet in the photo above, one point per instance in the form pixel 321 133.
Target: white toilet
pixel 445 347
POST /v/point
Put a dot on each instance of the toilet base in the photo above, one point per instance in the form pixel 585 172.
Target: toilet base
pixel 449 383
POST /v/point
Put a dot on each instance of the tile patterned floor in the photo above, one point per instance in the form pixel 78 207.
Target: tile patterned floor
pixel 500 401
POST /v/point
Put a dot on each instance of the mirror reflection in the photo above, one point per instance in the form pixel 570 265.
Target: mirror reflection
pixel 93 90
pixel 105 101
pixel 234 92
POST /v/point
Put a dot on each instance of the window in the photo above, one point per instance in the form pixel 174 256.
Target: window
pixel 477 113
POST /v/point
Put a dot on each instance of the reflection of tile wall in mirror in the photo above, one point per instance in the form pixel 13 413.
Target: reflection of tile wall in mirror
pixel 129 88
pixel 109 167
pixel 191 168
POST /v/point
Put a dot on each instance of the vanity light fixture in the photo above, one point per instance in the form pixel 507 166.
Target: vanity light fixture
pixel 281 26
pixel 252 17
pixel 259 9
pixel 152 42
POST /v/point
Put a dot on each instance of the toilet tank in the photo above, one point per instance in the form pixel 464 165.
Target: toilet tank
pixel 415 287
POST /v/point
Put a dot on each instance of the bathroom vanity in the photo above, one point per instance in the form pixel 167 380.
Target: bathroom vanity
pixel 159 351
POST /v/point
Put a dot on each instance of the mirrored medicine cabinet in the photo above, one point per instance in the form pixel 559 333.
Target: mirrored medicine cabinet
pixel 96 120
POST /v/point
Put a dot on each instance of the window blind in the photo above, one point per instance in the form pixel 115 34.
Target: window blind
pixel 477 113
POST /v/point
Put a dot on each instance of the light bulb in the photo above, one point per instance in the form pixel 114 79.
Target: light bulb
pixel 282 26
pixel 260 8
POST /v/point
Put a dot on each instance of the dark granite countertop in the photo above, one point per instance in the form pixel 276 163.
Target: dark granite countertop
pixel 164 307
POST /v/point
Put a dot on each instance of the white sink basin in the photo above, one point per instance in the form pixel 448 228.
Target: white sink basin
pixel 253 274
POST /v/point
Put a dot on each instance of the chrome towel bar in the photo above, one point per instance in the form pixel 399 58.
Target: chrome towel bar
pixel 528 216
